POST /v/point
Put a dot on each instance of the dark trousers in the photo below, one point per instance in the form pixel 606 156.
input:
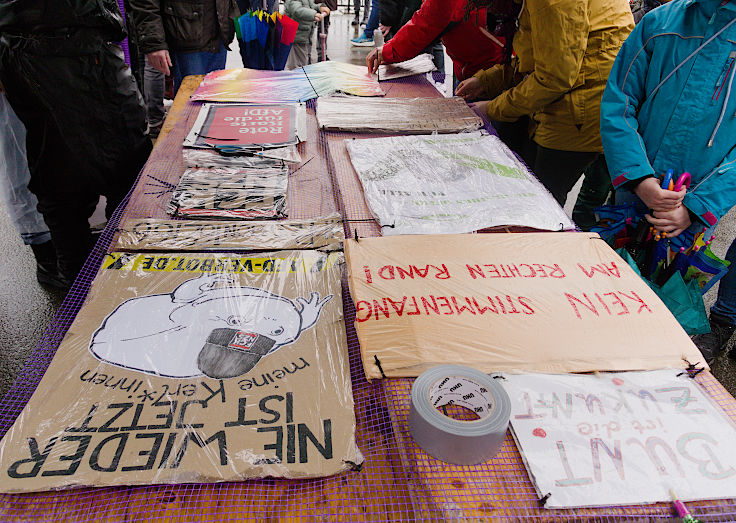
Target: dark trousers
pixel 86 130
pixel 557 170
pixel 594 192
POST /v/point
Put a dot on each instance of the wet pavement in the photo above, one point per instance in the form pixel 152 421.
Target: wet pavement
pixel 27 308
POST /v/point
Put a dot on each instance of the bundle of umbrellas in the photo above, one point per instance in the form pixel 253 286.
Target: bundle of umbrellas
pixel 265 39
pixel 680 269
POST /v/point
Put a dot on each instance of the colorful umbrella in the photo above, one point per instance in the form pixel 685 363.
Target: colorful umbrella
pixel 265 39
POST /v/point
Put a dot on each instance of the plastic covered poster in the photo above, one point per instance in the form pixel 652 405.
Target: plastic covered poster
pixel 396 115
pixel 193 368
pixel 450 184
pixel 325 233
pixel 621 438
pixel 224 192
pixel 297 85
pixel 418 65
pixel 259 159
pixel 533 302
pixel 248 126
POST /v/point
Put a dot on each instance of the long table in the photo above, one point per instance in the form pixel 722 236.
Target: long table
pixel 398 481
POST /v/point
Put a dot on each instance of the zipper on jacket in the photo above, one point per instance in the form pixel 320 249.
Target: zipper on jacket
pixel 725 102
pixel 724 74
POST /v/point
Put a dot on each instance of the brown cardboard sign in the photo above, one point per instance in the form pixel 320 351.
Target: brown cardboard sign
pixel 534 302
pixel 187 368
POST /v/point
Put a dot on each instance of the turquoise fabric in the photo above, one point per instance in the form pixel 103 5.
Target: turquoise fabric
pixel 646 132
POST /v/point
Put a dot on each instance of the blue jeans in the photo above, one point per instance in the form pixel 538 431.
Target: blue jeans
pixel 19 201
pixel 725 305
pixel 196 63
pixel 373 19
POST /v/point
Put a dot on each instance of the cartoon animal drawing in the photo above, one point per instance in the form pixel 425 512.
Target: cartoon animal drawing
pixel 208 325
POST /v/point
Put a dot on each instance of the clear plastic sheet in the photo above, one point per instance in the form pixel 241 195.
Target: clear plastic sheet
pixel 268 158
pixel 297 85
pixel 227 192
pixel 531 302
pixel 248 125
pixel 621 438
pixel 186 368
pixel 396 115
pixel 418 65
pixel 147 234
pixel 450 184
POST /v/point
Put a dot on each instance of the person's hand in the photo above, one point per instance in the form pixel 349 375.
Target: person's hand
pixel 481 108
pixel 374 59
pixel 385 29
pixel 672 222
pixel 656 198
pixel 318 17
pixel 160 60
pixel 470 89
pixel 325 10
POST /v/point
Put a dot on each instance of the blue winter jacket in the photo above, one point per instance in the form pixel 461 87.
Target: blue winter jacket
pixel 688 123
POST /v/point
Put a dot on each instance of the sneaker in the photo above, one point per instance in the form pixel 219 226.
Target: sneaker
pixel 717 340
pixel 362 41
pixel 355 21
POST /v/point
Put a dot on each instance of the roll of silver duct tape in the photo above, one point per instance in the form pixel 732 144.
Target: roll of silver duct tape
pixel 455 441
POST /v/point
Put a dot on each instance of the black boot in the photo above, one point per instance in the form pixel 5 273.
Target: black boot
pixel 717 340
pixel 47 271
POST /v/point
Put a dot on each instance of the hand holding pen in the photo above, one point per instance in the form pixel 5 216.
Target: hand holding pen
pixel 671 221
pixel 658 198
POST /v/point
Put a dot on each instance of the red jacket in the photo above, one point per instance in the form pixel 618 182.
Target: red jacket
pixel 469 48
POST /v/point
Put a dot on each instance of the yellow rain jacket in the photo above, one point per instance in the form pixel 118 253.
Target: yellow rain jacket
pixel 564 52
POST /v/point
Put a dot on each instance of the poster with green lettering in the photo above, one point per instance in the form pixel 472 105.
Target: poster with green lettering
pixel 184 368
pixel 449 184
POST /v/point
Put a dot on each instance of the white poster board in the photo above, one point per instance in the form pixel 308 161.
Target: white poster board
pixel 453 183
pixel 621 438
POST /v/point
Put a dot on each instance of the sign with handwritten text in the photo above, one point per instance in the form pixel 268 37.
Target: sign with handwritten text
pixel 621 438
pixel 192 367
pixel 533 302
pixel 450 183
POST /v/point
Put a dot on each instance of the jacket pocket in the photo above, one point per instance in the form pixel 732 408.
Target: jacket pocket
pixel 183 25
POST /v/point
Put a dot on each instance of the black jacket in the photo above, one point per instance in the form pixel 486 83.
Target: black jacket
pixel 38 17
pixel 183 25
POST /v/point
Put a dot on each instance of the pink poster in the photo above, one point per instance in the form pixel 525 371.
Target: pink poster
pixel 263 125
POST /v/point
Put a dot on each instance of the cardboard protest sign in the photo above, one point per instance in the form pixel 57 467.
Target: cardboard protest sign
pixel 621 438
pixel 141 234
pixel 535 302
pixel 396 115
pixel 265 125
pixel 193 368
pixel 452 183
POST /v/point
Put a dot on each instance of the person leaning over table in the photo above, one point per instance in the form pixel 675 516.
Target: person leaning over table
pixel 182 37
pixel 545 104
pixel 461 27
pixel 670 103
